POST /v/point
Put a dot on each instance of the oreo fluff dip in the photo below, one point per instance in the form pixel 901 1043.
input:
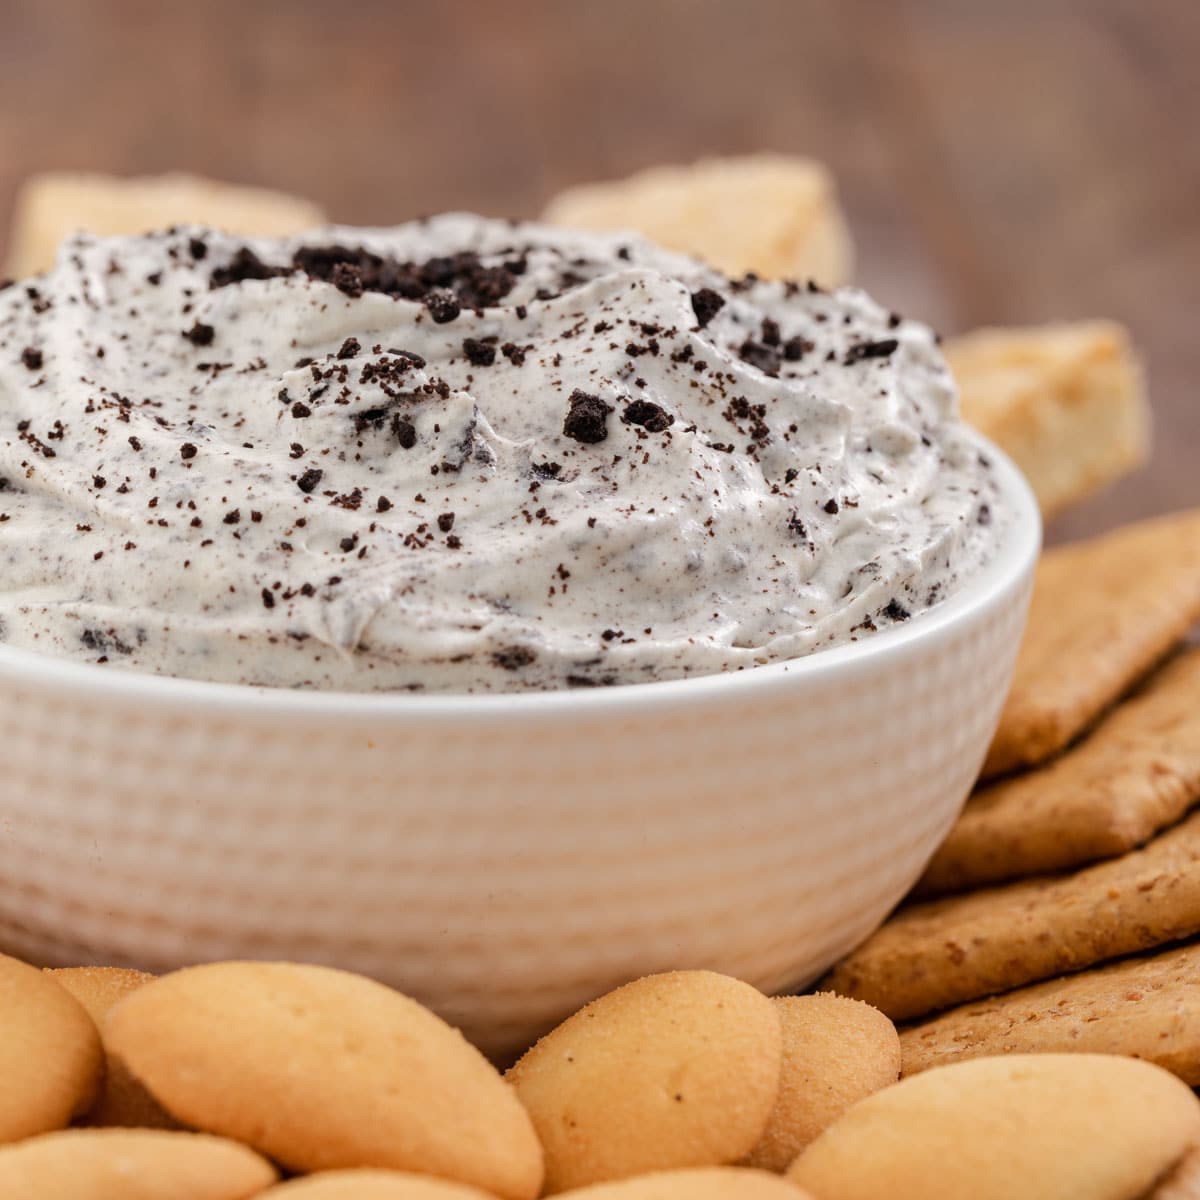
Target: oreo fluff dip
pixel 465 455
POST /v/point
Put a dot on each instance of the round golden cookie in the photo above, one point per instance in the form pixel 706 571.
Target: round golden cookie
pixel 697 1183
pixel 1022 1127
pixel 51 1063
pixel 131 1164
pixel 122 1100
pixel 320 1069
pixel 373 1185
pixel 675 1070
pixel 836 1051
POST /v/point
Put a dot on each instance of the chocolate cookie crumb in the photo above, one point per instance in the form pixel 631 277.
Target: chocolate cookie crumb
pixel 880 349
pixel 706 303
pixel 200 334
pixel 650 416
pixel 587 418
pixel 405 431
pixel 244 265
pixel 445 522
pixel 479 354
pixel 348 279
pixel 308 482
pixel 349 348
pixel 32 358
pixel 513 658
pixel 765 358
pixel 443 306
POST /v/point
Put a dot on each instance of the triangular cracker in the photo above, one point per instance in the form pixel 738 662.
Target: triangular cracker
pixel 768 213
pixel 1066 402
pixel 52 206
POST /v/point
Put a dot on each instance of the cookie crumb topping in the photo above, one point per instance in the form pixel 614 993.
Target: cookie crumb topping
pixel 465 455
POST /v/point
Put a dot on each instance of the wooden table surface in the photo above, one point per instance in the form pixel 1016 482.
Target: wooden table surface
pixel 1001 162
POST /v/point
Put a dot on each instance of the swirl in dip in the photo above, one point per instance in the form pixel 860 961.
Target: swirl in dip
pixel 465 455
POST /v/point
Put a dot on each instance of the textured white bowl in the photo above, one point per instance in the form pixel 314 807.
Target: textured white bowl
pixel 503 859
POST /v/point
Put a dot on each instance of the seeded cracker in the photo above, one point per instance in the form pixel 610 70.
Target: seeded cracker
pixel 944 952
pixel 1137 773
pixel 1104 612
pixel 1145 1007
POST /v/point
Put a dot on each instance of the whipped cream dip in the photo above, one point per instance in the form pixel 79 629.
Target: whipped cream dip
pixel 465 455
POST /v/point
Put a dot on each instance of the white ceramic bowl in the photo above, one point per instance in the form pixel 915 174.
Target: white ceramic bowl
pixel 503 859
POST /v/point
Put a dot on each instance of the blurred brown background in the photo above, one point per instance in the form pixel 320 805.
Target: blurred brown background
pixel 1002 162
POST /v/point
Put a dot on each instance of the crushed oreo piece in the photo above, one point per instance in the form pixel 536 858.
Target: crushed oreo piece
pixel 864 350
pixel 200 334
pixel 765 358
pixel 587 418
pixel 405 431
pixel 443 306
pixel 706 303
pixel 479 354
pixel 513 658
pixel 244 265
pixel 650 416
pixel 348 279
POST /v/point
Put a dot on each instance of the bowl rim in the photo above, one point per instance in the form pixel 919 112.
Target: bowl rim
pixel 1013 561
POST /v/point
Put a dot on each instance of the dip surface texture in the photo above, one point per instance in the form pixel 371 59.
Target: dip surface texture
pixel 465 455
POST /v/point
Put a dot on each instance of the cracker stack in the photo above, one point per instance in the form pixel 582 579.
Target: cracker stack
pixel 1063 911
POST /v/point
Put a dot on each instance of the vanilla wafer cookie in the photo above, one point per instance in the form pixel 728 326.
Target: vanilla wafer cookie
pixel 1145 1007
pixel 1024 1127
pixel 51 1063
pixel 946 952
pixel 674 1070
pixel 122 1099
pixel 131 1164
pixel 1104 612
pixel 366 1184
pixel 1183 1183
pixel 1066 401
pixel 1137 773
pixel 320 1069
pixel 768 213
pixel 835 1052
